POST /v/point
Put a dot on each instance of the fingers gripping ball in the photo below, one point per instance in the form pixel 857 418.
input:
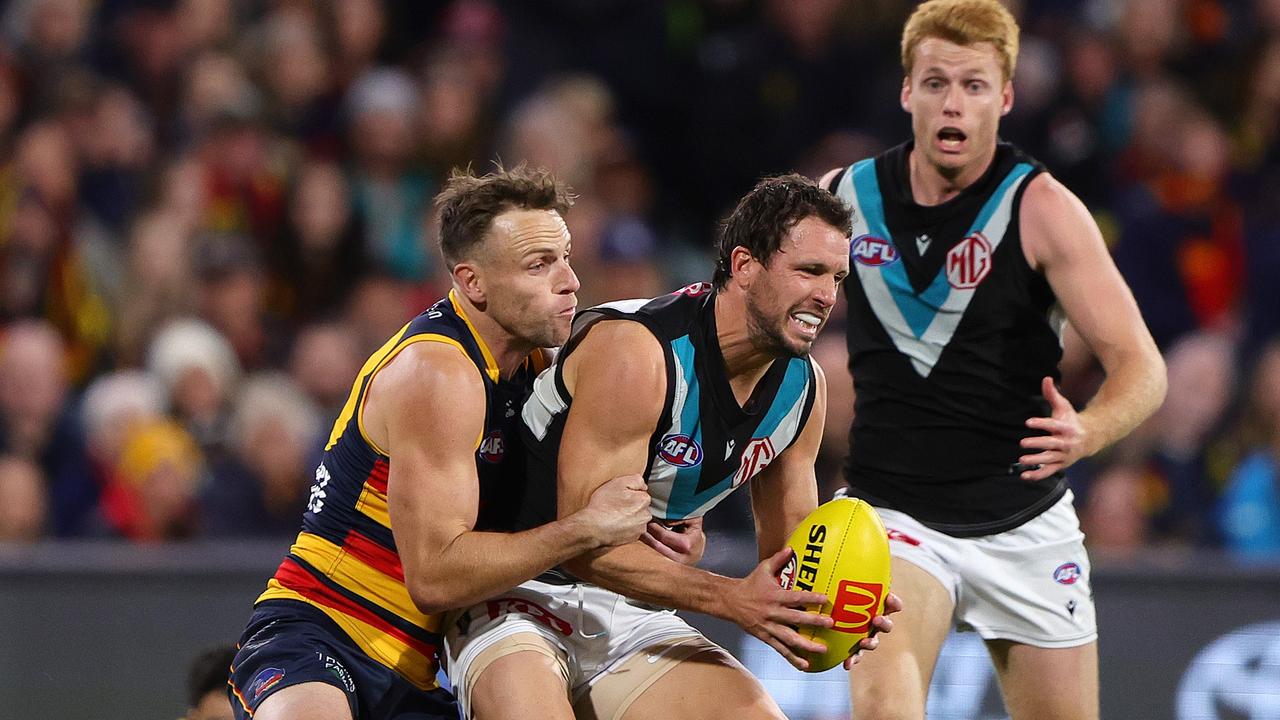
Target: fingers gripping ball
pixel 842 551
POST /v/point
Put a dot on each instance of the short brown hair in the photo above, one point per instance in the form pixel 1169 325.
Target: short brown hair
pixel 963 22
pixel 468 204
pixel 767 213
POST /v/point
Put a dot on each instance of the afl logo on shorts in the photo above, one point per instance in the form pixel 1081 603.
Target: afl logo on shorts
pixel 492 447
pixel 1067 574
pixel 969 262
pixel 264 681
pixel 679 450
pixel 873 251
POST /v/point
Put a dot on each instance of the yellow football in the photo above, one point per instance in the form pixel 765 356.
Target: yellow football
pixel 840 550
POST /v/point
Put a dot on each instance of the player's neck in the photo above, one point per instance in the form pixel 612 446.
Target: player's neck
pixel 744 362
pixel 932 185
pixel 508 351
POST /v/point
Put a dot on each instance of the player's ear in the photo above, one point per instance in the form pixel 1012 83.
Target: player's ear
pixel 742 264
pixel 468 280
pixel 1006 98
pixel 904 98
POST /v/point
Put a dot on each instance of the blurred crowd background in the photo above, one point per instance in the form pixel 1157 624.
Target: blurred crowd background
pixel 211 212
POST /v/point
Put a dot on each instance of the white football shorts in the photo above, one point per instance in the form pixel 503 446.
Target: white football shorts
pixel 1030 584
pixel 590 634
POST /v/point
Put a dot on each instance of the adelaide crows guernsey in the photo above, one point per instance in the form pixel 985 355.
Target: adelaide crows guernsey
pixel 705 444
pixel 344 561
pixel 950 332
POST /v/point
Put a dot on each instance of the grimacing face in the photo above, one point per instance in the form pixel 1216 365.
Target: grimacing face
pixel 789 302
pixel 956 95
pixel 529 284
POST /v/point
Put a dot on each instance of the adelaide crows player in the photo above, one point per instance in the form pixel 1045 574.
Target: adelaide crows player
pixel 968 257
pixel 423 464
pixel 704 390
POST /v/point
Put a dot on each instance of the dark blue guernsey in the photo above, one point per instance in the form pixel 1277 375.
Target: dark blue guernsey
pixel 950 332
pixel 705 445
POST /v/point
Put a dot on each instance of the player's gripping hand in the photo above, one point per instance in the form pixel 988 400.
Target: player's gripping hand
pixel 762 608
pixel 879 624
pixel 618 510
pixel 681 541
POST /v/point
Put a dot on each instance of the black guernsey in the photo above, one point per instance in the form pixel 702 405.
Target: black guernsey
pixel 950 332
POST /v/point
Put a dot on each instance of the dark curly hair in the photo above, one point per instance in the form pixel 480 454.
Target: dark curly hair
pixel 764 216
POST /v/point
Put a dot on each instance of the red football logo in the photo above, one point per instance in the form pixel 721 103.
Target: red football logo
pixel 855 605
pixel 969 262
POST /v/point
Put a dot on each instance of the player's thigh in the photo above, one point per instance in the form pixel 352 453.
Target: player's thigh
pixel 893 680
pixel 1047 683
pixel 522 672
pixel 305 701
pixel 708 684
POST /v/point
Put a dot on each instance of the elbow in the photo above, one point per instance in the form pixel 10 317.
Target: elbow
pixel 1159 375
pixel 433 596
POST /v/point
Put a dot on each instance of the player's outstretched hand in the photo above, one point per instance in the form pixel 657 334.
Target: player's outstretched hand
pixel 681 541
pixel 618 510
pixel 1065 442
pixel 879 624
pixel 762 608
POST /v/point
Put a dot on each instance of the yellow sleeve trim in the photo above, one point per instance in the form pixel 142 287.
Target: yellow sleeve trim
pixel 491 365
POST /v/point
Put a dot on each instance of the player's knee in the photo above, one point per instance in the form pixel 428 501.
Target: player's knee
pixel 886 700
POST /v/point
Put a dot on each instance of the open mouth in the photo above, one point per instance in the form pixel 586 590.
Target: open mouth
pixel 950 138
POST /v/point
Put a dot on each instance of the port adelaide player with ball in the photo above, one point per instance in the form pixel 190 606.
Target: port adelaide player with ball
pixel 703 391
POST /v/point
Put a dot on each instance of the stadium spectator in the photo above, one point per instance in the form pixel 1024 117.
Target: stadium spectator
pixel 38 424
pixel 24 501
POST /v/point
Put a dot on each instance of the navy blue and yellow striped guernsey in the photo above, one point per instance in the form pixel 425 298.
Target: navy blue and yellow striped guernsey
pixel 344 561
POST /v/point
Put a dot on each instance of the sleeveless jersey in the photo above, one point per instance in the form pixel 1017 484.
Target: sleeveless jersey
pixel 705 444
pixel 950 332
pixel 344 561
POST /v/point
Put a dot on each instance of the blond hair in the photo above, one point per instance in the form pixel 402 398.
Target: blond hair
pixel 963 22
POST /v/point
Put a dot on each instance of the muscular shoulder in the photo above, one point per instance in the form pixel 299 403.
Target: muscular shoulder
pixel 422 380
pixel 623 356
pixel 1054 223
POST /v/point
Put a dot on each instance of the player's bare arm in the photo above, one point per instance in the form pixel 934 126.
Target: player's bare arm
pixel 786 491
pixel 412 414
pixel 619 373
pixel 1061 240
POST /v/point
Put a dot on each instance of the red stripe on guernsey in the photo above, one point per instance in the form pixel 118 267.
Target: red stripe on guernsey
pixel 384 560
pixel 378 476
pixel 294 577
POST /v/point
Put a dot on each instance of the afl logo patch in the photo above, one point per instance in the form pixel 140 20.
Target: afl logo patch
pixel 1066 574
pixel 679 450
pixel 492 447
pixel 266 679
pixel 873 251
pixel 969 262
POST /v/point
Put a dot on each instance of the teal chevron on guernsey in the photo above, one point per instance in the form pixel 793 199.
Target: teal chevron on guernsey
pixel 920 324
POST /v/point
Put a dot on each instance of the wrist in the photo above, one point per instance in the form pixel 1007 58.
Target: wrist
pixel 580 532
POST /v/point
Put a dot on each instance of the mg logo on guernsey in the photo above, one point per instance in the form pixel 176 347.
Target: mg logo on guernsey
pixel 969 262
pixel 492 447
pixel 679 450
pixel 873 251
pixel 756 456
